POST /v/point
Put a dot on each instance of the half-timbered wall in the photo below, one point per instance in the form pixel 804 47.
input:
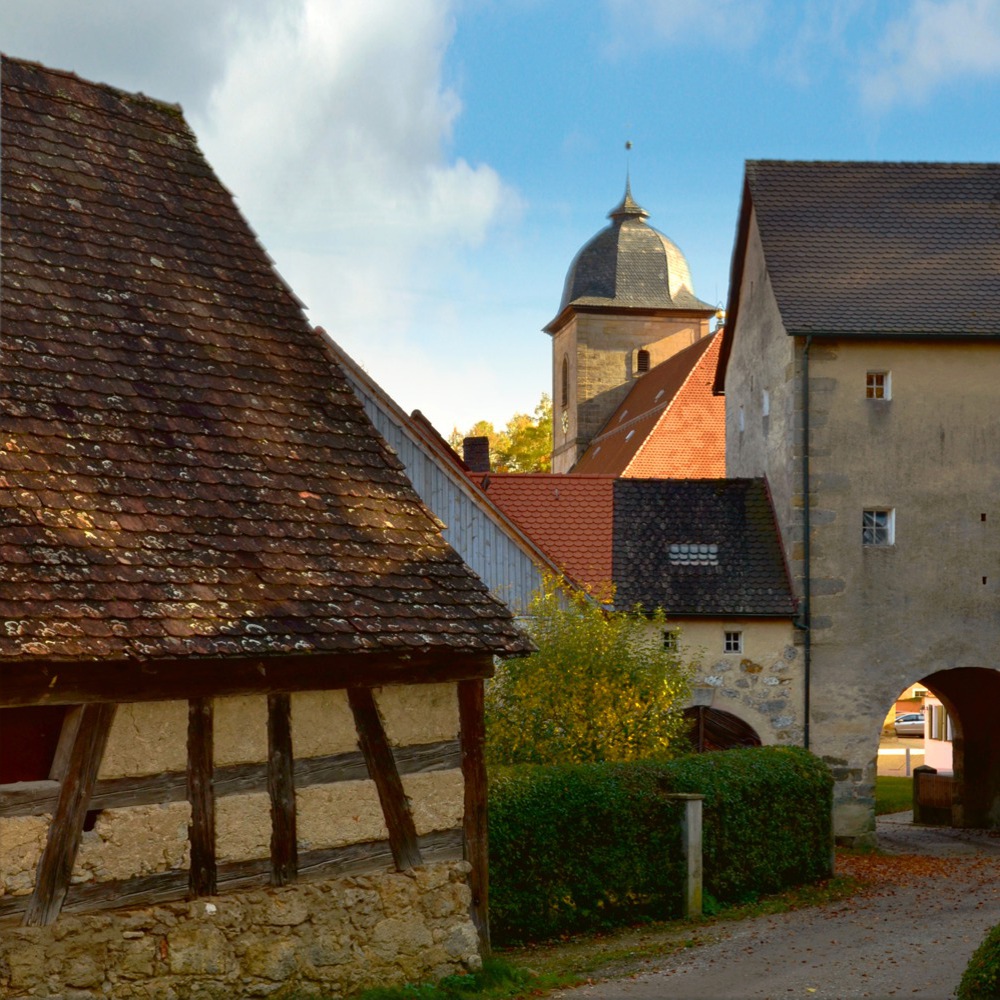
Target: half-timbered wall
pixel 136 849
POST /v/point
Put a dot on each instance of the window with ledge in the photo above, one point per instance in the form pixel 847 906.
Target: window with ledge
pixel 732 642
pixel 878 385
pixel 878 527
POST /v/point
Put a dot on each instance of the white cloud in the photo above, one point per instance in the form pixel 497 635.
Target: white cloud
pixel 731 24
pixel 936 42
pixel 332 125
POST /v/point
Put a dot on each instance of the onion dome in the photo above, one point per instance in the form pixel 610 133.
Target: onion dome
pixel 629 265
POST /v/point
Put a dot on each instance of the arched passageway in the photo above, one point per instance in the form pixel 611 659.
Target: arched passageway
pixel 971 696
pixel 713 729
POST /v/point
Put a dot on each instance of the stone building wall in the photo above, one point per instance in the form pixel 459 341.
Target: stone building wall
pixel 334 937
pixel 762 684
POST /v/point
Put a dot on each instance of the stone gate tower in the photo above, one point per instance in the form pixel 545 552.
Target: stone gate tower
pixel 628 303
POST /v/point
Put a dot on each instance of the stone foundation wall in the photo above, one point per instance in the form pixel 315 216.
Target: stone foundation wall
pixel 334 937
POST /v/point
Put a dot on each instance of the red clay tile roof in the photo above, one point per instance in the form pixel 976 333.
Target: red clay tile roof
pixel 184 470
pixel 568 517
pixel 670 425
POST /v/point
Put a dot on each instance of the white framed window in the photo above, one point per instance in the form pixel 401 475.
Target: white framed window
pixel 878 385
pixel 670 639
pixel 878 527
pixel 732 642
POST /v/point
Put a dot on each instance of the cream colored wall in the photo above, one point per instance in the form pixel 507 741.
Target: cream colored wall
pixel 763 685
pixel 151 738
pixel 881 616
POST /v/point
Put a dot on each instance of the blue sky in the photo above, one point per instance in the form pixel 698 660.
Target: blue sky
pixel 423 171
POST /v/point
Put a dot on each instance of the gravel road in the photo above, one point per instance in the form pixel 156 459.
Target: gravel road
pixel 930 901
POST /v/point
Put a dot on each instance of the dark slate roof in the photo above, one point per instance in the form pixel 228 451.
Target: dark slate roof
pixel 873 249
pixel 744 575
pixel 184 470
pixel 628 265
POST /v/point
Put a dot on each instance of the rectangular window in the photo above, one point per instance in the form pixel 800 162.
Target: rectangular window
pixel 878 527
pixel 733 642
pixel 877 386
pixel 670 639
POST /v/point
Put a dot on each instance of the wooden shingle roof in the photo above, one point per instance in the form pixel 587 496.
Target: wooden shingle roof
pixel 699 547
pixel 184 470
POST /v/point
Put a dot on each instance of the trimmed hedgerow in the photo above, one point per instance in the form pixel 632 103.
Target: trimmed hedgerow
pixel 591 845
pixel 981 979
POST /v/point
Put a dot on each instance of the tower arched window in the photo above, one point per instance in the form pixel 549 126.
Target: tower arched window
pixel 564 395
pixel 642 361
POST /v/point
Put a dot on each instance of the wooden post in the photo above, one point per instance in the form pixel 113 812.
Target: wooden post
pixel 382 769
pixel 281 786
pixel 692 846
pixel 80 767
pixel 476 825
pixel 201 795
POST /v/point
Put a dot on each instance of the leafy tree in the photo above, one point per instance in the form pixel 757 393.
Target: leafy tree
pixel 600 688
pixel 525 445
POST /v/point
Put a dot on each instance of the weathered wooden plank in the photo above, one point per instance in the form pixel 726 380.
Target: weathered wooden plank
pixel 201 795
pixel 148 890
pixel 281 788
pixel 57 683
pixel 33 798
pixel 55 867
pixel 475 824
pixel 64 748
pixel 382 769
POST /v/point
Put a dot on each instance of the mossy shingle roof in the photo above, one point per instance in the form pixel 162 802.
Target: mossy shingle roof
pixel 184 470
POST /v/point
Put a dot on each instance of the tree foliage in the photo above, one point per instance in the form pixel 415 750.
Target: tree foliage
pixel 600 688
pixel 524 445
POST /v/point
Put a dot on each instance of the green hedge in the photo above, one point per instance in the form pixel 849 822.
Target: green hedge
pixel 981 980
pixel 590 845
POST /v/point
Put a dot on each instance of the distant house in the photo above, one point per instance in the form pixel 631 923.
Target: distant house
pixel 670 425
pixel 860 364
pixel 705 551
pixel 236 655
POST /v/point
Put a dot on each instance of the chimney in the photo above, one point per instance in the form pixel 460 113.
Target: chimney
pixel 476 453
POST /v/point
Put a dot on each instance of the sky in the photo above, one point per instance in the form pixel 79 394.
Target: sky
pixel 422 172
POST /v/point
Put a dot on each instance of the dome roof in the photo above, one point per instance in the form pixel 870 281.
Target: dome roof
pixel 629 265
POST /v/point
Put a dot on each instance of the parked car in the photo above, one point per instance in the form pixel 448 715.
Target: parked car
pixel 910 724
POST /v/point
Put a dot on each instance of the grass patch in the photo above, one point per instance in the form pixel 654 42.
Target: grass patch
pixel 498 980
pixel 893 794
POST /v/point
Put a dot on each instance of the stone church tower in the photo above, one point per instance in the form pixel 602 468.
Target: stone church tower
pixel 628 304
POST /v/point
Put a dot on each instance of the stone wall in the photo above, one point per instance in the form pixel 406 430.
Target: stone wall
pixel 332 938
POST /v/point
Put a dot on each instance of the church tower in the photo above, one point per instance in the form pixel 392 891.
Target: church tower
pixel 628 303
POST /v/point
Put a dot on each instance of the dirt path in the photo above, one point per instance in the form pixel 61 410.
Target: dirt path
pixel 909 933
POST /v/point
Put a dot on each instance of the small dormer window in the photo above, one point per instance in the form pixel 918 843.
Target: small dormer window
pixel 693 554
pixel 642 361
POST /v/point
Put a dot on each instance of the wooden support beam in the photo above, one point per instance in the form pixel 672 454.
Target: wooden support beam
pixel 382 769
pixel 281 786
pixel 51 683
pixel 52 877
pixel 476 827
pixel 64 748
pixel 201 795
